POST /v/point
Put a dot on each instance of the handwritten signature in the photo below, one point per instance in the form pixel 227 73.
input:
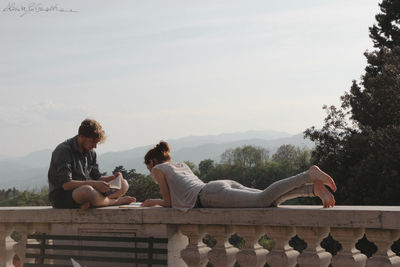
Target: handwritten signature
pixel 34 8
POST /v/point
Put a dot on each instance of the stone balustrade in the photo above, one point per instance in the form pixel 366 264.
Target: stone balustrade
pixel 185 232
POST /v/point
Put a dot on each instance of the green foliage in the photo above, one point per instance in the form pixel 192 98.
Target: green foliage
pixel 266 242
pixel 291 159
pixel 206 168
pixel 386 33
pixel 359 144
pixel 16 236
pixel 246 156
pixel 14 197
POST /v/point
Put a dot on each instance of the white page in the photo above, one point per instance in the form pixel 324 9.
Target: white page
pixel 116 183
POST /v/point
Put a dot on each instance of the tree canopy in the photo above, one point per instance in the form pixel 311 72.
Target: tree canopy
pixel 359 143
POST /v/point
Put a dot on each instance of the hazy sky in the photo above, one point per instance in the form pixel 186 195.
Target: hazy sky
pixel 159 69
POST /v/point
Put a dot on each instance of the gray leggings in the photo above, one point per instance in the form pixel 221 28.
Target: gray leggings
pixel 231 194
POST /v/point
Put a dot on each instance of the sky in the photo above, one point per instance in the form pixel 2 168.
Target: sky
pixel 161 69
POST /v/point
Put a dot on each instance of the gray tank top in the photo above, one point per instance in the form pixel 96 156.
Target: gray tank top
pixel 184 186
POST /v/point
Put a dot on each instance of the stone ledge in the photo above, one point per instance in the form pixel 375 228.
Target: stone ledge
pixel 380 217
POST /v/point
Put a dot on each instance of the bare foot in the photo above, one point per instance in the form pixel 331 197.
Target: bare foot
pixel 317 175
pixel 85 206
pixel 125 200
pixel 328 200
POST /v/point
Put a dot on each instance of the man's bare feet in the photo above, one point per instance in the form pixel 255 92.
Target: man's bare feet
pixel 125 200
pixel 328 200
pixel 85 206
pixel 316 175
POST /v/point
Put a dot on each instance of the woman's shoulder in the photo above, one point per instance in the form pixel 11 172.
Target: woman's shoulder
pixel 170 165
pixel 162 166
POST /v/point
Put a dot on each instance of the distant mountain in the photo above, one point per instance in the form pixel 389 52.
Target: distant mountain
pixel 30 172
pixel 35 159
pixel 193 141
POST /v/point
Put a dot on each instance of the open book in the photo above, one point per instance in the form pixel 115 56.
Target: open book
pixel 132 205
pixel 116 183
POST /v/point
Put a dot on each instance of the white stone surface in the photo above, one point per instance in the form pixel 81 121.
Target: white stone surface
pixel 377 217
pixel 345 223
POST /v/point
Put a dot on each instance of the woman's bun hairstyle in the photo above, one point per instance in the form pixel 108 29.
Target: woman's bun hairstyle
pixel 163 146
pixel 158 154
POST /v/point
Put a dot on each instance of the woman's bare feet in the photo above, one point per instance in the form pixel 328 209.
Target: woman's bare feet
pixel 316 175
pixel 328 200
pixel 125 200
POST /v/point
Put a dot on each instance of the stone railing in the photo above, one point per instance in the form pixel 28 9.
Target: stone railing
pixel 185 231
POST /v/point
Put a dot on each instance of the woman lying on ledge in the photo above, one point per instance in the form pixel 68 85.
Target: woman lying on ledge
pixel 183 190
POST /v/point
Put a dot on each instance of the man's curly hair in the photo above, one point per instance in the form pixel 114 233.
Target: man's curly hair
pixel 92 129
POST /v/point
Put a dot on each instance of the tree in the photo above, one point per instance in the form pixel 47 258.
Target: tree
pixel 248 156
pixel 386 34
pixel 285 154
pixel 291 159
pixel 26 198
pixel 206 169
pixel 359 143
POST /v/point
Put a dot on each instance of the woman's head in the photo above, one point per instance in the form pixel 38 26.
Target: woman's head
pixel 158 154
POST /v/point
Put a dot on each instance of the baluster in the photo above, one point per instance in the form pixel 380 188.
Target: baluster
pixel 314 255
pixel 19 247
pixel 24 230
pixel 282 254
pixel 252 255
pixel 348 255
pixel 383 239
pixel 5 253
pixel 223 253
pixel 195 254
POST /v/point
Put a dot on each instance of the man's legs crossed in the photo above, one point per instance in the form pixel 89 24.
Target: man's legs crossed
pixel 61 199
pixel 86 195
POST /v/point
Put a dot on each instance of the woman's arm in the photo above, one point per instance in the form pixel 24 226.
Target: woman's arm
pixel 162 183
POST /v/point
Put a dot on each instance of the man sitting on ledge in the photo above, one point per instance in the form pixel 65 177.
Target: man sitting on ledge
pixel 74 177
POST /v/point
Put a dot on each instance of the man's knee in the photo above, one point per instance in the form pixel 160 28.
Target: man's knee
pixel 84 192
pixel 124 186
